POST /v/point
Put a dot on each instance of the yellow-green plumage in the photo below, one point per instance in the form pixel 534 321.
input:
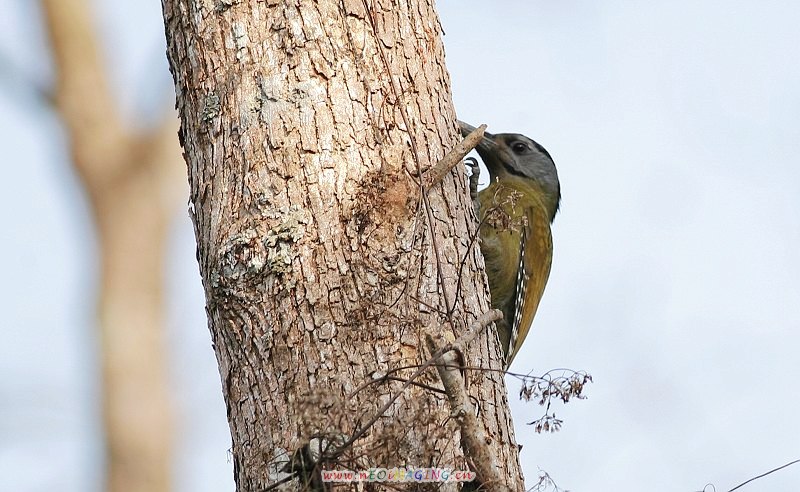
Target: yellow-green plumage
pixel 501 250
pixel 516 211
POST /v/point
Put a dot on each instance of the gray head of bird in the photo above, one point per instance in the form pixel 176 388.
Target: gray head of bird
pixel 511 154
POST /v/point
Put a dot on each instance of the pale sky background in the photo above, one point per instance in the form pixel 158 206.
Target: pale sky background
pixel 675 126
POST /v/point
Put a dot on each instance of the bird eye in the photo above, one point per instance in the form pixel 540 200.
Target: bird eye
pixel 519 147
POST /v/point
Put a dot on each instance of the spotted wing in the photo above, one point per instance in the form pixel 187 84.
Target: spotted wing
pixel 535 258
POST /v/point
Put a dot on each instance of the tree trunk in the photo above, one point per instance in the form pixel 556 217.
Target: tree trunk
pixel 133 182
pixel 304 125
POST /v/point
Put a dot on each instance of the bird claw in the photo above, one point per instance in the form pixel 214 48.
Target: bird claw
pixel 475 172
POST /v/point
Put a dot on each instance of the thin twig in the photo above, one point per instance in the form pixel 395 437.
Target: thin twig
pixel 471 333
pixel 436 174
pixel 472 239
pixel 474 329
pixel 415 155
pixel 764 475
pixel 473 437
pixel 280 482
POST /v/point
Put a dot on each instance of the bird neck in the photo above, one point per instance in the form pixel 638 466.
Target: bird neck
pixel 532 193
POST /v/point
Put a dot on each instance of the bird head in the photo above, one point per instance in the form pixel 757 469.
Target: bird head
pixel 511 154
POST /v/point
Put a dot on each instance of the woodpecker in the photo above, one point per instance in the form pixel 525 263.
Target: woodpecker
pixel 516 211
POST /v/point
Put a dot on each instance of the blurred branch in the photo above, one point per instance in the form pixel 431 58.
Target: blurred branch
pixel 82 93
pixel 133 180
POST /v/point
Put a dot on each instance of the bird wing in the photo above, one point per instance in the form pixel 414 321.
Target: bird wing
pixel 520 287
pixel 535 258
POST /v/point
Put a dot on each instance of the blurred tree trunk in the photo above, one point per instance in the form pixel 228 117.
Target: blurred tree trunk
pixel 133 181
pixel 303 125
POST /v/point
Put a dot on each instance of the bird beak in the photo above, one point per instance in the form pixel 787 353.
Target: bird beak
pixel 466 129
pixel 485 146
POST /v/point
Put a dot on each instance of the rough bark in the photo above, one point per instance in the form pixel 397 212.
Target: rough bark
pixel 133 184
pixel 304 125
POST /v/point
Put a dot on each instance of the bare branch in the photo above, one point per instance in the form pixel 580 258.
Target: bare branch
pixel 82 93
pixel 471 333
pixel 490 475
pixel 436 174
pixel 473 438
